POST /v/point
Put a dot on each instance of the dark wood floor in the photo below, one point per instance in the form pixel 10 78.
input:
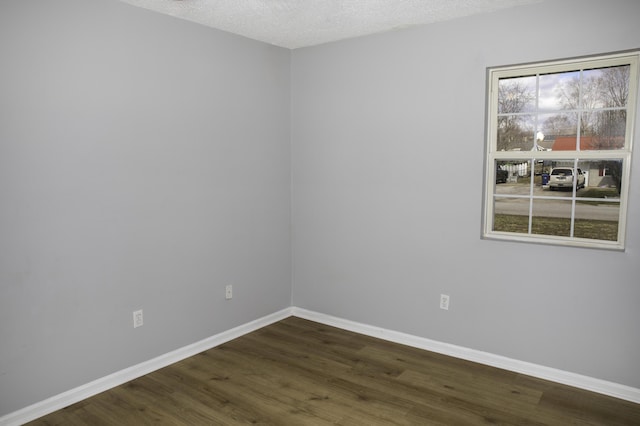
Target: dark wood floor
pixel 298 372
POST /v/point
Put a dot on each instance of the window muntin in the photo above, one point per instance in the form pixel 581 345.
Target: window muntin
pixel 574 114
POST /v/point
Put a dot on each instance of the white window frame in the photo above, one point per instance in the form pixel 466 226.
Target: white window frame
pixel 492 154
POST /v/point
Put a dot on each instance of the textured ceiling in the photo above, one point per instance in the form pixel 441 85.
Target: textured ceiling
pixel 300 23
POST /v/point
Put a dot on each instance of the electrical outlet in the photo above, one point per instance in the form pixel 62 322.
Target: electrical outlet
pixel 137 319
pixel 228 292
pixel 444 302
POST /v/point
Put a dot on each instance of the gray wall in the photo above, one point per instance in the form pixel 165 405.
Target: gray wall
pixel 388 144
pixel 144 163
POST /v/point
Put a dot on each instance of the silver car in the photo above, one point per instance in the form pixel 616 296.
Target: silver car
pixel 562 177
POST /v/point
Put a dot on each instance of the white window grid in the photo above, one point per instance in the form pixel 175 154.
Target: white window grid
pixel 493 154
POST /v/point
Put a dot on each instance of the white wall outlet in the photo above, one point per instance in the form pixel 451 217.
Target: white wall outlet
pixel 137 319
pixel 228 292
pixel 444 302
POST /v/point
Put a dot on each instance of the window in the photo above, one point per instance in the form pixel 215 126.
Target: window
pixel 559 151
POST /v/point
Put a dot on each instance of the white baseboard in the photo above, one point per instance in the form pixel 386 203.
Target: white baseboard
pixel 72 396
pixel 559 376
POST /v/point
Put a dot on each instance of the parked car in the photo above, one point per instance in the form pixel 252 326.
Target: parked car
pixel 562 177
pixel 501 176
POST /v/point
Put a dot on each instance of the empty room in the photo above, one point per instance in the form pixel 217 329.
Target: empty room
pixel 319 212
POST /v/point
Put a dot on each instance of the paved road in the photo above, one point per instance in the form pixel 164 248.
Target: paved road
pixel 559 206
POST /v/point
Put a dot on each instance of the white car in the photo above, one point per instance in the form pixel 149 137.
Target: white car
pixel 562 177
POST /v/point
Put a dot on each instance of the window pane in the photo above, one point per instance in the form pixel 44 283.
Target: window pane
pixel 551 217
pixel 559 124
pixel 597 221
pixel 603 130
pixel 592 93
pixel 606 87
pixel 511 215
pixel 560 131
pixel 512 177
pixel 603 178
pixel 598 204
pixel 515 132
pixel 559 91
pixel 516 95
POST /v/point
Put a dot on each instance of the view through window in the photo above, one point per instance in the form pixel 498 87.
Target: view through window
pixel 559 151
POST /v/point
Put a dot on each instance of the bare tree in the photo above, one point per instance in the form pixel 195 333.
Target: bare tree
pixel 560 124
pixel 514 97
pixel 594 94
pixel 611 123
pixel 615 86
pixel 584 94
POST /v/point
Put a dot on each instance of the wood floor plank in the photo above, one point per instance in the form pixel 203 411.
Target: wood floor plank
pixel 308 377
pixel 298 372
